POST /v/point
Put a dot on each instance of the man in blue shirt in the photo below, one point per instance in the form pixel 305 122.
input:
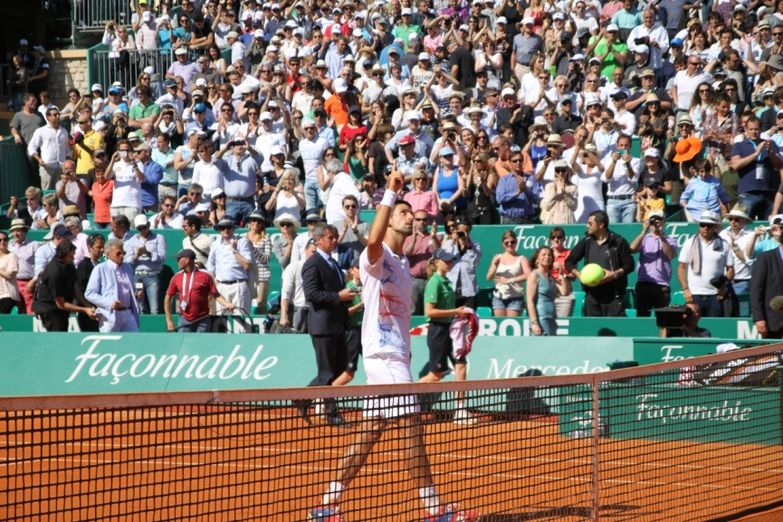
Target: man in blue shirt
pixel 240 179
pixel 758 163
pixel 145 252
pixel 229 261
pixel 153 173
pixel 517 195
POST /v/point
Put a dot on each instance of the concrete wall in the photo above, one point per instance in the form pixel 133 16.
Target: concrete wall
pixel 67 69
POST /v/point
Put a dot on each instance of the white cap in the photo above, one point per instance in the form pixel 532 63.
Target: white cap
pixel 339 86
pixel 501 20
pixel 641 49
pixel 652 152
pixel 181 50
pixel 412 115
pixel 424 56
pixel 258 33
pixel 140 221
pixel 266 115
pixel 149 70
pixel 528 20
pixel 308 122
pixel 201 82
pixel 612 28
pixel 508 91
pixel 464 27
pixel 740 7
pixel 405 11
pixel 96 87
pixel 357 33
pixel 540 121
pixel 232 34
pixel 558 16
pixel 291 24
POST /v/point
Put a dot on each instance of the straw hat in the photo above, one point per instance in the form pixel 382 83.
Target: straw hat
pixel 687 149
pixel 554 140
pixel 739 211
pixel 18 224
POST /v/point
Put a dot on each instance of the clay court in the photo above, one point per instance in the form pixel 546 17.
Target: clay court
pixel 240 462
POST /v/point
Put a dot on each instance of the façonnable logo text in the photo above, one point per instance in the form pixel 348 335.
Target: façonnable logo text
pixel 100 361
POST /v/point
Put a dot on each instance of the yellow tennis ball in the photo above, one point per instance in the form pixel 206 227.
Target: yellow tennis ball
pixel 591 274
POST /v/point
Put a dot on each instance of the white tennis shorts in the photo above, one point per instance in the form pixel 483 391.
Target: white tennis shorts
pixel 389 369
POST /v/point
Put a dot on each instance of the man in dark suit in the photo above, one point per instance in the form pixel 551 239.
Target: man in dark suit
pixel 766 284
pixel 324 289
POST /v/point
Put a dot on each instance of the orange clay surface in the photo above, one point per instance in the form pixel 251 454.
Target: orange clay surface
pixel 266 464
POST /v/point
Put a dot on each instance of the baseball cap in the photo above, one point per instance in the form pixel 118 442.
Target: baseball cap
pixel 140 221
pixel 186 252
pixel 444 255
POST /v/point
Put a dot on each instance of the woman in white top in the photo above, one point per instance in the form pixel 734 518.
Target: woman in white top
pixel 508 270
pixel 287 198
pixel 587 179
pixel 9 266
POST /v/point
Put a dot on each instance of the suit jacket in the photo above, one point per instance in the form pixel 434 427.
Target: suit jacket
pixel 321 284
pixel 766 283
pixel 102 291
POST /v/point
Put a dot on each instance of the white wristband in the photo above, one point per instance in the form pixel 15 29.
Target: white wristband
pixel 389 198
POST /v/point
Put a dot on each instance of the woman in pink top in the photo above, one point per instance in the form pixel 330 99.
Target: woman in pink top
pixel 101 194
pixel 421 197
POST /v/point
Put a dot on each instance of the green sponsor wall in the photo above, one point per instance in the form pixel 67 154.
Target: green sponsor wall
pixel 488 236
pixel 726 328
pixel 61 363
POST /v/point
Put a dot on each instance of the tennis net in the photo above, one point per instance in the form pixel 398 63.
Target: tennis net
pixel 697 439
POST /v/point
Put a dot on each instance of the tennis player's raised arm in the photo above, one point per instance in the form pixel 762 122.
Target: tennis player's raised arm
pixel 383 214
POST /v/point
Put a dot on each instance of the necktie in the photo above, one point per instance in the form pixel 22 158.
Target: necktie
pixel 336 268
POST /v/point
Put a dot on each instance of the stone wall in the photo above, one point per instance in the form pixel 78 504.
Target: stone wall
pixel 67 69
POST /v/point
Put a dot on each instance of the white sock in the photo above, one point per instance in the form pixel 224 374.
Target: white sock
pixel 430 499
pixel 333 494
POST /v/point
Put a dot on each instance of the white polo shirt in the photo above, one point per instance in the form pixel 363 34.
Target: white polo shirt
pixel 715 257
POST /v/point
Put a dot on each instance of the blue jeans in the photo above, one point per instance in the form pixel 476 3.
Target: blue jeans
pixel 198 326
pixel 758 205
pixel 239 210
pixel 311 194
pixel 709 305
pixel 621 210
pixel 149 301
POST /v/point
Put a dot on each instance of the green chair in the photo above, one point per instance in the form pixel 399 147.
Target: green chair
pixel 484 311
pixel 678 299
pixel 579 304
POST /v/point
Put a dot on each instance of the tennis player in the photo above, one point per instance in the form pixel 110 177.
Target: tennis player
pixel 386 293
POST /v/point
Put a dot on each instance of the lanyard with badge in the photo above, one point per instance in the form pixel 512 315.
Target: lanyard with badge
pixel 186 289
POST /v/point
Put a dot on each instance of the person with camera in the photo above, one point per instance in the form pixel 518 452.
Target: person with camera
pixel 656 251
pixel 70 189
pixel 239 182
pixel 706 267
pixel 462 273
pixel 128 177
pixel 652 34
pixel 194 288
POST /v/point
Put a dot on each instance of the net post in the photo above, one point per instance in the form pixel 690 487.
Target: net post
pixel 595 441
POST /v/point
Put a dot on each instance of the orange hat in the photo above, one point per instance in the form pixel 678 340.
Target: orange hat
pixel 687 149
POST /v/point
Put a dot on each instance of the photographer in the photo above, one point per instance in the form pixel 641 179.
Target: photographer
pixel 706 267
pixel 758 164
pixel 70 189
pixel 462 273
pixel 656 251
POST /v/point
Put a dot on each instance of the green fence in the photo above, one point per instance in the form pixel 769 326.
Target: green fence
pixel 489 237
pixel 15 174
pixel 720 328
pixel 62 363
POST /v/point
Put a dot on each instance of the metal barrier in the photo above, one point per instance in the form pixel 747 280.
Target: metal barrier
pixel 92 15
pixel 106 67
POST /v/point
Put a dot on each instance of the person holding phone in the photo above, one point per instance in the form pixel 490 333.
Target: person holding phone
pixel 656 251
pixel 542 290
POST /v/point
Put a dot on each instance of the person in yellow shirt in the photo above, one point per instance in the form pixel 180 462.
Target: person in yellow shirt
pixel 86 142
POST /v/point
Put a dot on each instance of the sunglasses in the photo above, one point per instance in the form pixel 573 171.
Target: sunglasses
pixel 286 224
pixel 706 225
pixel 509 242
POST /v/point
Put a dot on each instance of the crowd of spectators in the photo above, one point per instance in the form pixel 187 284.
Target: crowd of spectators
pixel 494 111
